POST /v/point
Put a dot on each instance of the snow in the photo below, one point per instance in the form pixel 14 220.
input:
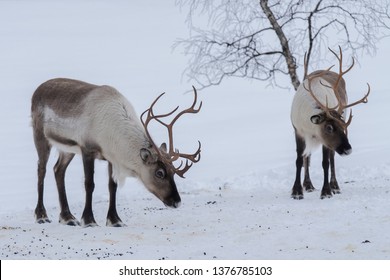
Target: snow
pixel 236 201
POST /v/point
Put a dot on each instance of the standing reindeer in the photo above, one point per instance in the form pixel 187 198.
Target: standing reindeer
pixel 99 123
pixel 318 115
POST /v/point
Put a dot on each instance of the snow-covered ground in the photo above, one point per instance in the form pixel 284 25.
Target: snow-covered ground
pixel 236 201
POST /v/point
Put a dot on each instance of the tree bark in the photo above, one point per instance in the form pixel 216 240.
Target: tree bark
pixel 290 60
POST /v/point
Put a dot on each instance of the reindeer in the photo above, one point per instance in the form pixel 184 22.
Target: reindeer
pixel 318 115
pixel 99 123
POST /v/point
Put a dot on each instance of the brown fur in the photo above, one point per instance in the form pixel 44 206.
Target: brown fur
pixel 62 104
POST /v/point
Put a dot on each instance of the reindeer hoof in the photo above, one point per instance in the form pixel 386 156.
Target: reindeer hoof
pixel 308 186
pixel 68 219
pixel 117 224
pixel 94 224
pixel 297 191
pixel 43 220
pixel 113 219
pixel 90 222
pixel 41 216
pixel 297 196
pixel 114 222
pixel 326 191
pixel 70 223
pixel 326 195
pixel 335 187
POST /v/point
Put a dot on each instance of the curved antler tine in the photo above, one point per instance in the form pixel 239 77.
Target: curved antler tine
pixel 329 68
pixel 349 119
pixel 331 108
pixel 363 100
pixel 350 67
pixel 196 96
pixel 164 115
pixel 340 59
pixel 310 91
pixel 180 165
pixel 191 109
pixel 195 157
pixel 175 156
pixel 142 116
pixel 196 100
pixel 155 101
pixel 325 85
pixel 181 172
pixel 200 146
pixel 150 110
pixel 200 106
pixel 149 117
pixel 335 54
pixel 341 53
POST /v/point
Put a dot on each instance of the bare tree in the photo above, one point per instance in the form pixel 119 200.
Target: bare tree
pixel 260 39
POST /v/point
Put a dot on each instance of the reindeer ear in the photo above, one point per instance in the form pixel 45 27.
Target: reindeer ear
pixel 163 147
pixel 146 156
pixel 317 119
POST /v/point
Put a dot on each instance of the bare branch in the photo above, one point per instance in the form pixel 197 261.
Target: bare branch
pixel 264 39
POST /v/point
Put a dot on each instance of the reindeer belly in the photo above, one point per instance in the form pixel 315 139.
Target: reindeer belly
pixel 69 134
pixel 63 144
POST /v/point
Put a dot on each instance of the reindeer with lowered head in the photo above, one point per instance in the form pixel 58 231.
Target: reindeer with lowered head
pixel 99 123
pixel 319 117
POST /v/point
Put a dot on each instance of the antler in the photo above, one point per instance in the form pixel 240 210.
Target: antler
pixel 173 154
pixel 340 106
pixel 363 100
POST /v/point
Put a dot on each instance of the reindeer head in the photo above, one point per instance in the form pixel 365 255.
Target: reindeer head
pixel 333 126
pixel 158 177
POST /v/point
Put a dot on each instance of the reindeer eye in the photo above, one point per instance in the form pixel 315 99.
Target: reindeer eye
pixel 160 173
pixel 329 128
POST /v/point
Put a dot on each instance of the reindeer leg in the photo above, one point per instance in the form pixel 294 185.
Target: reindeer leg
pixel 333 182
pixel 307 184
pixel 112 216
pixel 297 190
pixel 326 190
pixel 43 148
pixel 87 219
pixel 60 167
